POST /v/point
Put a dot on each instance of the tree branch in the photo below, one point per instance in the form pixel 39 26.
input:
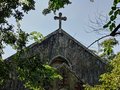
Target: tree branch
pixel 98 40
pixel 113 33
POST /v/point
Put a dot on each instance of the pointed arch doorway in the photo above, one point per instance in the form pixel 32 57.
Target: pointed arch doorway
pixel 70 81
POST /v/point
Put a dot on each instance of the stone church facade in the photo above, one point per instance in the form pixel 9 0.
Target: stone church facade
pixel 75 63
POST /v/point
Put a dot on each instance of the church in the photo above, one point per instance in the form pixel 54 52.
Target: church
pixel 76 63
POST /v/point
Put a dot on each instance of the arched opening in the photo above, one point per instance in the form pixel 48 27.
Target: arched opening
pixel 70 81
pixel 59 60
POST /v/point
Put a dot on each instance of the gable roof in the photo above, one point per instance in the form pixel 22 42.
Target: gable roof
pixel 85 64
pixel 77 42
pixel 61 31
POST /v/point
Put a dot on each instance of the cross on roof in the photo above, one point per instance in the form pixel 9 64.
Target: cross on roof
pixel 60 18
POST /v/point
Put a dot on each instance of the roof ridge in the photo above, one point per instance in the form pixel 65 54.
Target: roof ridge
pixel 76 41
pixel 72 38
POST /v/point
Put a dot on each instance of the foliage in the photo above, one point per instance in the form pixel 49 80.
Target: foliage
pixel 17 9
pixel 4 71
pixel 30 70
pixel 97 87
pixel 107 48
pixel 114 12
pixel 8 34
pixel 30 73
pixel 34 73
pixel 54 5
pixel 36 36
pixel 109 80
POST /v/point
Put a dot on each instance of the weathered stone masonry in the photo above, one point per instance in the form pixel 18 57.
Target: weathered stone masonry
pixel 82 62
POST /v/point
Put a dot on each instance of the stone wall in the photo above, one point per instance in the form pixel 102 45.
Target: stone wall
pixel 86 65
pixel 83 63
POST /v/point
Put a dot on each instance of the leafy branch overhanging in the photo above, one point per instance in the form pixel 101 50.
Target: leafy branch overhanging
pixel 113 34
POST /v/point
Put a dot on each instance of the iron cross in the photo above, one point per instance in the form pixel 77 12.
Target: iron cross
pixel 60 18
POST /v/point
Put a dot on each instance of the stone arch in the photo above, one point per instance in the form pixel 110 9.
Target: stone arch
pixel 60 60
pixel 70 80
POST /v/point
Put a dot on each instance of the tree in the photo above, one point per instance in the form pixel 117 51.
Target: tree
pixel 114 13
pixel 17 39
pixel 17 9
pixel 111 79
pixel 107 48
pixel 111 25
pixel 54 5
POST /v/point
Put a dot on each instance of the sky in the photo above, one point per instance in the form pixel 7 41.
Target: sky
pixel 78 14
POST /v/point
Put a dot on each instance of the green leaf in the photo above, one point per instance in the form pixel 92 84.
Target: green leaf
pixel 118 1
pixel 112 18
pixel 106 25
pixel 111 12
pixel 116 13
pixel 113 25
pixel 113 8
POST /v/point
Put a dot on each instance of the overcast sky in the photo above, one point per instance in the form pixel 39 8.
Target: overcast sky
pixel 77 25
